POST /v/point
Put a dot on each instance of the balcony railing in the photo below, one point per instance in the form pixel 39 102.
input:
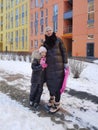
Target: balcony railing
pixel 68 29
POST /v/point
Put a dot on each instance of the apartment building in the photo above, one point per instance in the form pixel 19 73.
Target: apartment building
pixel 14 26
pixel 85 28
pixel 22 24
pixel 54 13
pixel 1 24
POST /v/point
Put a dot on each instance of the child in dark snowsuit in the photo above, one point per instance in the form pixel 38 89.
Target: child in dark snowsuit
pixel 38 65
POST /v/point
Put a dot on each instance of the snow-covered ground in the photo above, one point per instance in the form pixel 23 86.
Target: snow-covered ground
pixel 14 116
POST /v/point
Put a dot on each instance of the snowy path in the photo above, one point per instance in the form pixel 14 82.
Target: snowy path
pixel 22 96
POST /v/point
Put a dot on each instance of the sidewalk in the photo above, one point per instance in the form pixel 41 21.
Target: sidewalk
pixel 89 60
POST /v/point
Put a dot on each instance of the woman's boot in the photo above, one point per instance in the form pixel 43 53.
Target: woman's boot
pixel 55 107
pixel 51 102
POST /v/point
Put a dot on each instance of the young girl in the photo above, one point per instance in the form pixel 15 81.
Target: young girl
pixel 38 65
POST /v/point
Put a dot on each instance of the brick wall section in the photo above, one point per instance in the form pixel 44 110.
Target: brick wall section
pixel 81 29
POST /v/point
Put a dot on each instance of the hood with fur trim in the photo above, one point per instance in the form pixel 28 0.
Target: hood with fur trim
pixel 35 55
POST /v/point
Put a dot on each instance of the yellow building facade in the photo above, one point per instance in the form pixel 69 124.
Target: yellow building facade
pixel 14 25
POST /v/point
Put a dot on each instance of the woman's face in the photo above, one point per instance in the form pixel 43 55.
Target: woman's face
pixel 49 33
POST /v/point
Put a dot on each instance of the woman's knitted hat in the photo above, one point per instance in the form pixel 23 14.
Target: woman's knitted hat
pixel 42 49
pixel 48 28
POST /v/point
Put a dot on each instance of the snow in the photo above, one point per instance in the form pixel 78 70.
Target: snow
pixel 88 82
pixel 14 116
pixel 15 67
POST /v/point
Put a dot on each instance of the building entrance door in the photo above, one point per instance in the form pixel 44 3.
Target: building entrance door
pixel 90 49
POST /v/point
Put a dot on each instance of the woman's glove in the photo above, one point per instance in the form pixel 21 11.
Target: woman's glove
pixel 43 63
pixel 42 60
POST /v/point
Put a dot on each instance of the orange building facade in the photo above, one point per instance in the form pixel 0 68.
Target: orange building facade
pixel 54 13
pixel 85 28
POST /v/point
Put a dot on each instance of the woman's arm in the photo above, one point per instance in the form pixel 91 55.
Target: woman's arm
pixel 63 51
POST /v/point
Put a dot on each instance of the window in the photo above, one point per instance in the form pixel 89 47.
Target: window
pixel 31 27
pixel 36 44
pixel 17 17
pixel 16 39
pixel 42 3
pixel 42 21
pixel 12 3
pixel 8 20
pixel 8 4
pixel 55 18
pixel 26 13
pixel 46 1
pixel 31 43
pixel 32 4
pixel 42 13
pixel 36 23
pixel 6 38
pixel 11 38
pixel 12 15
pixel 36 3
pixel 90 13
pixel 17 1
pixel 90 36
pixel 46 19
pixel 1 37
pixel 22 14
pixel 32 17
pixel 41 41
pixel 22 38
pixel 26 37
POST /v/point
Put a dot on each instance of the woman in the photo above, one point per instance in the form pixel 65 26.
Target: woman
pixel 57 61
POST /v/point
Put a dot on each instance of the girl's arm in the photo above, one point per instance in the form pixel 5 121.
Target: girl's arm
pixel 36 66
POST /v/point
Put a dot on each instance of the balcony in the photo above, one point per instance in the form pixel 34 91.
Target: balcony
pixel 68 29
pixel 68 15
pixel 67 32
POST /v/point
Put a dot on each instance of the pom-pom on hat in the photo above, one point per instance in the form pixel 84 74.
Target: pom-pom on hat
pixel 48 28
pixel 42 49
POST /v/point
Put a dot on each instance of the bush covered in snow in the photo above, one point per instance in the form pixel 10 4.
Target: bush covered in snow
pixel 15 57
pixel 76 67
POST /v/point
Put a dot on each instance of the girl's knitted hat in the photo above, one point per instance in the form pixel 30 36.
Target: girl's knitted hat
pixel 42 49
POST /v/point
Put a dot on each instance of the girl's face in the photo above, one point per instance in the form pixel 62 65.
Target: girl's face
pixel 43 54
